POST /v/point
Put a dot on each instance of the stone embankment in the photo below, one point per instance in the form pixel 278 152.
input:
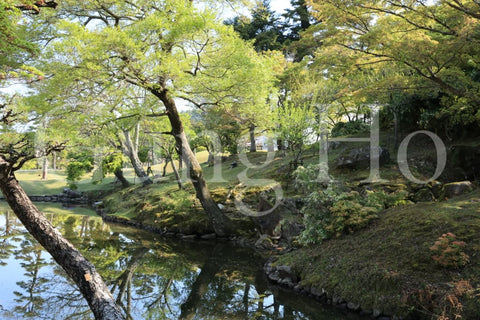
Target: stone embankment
pixel 286 277
pixel 68 196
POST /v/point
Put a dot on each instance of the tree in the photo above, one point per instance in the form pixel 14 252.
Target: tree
pixel 15 150
pixel 173 51
pixel 263 27
pixel 429 47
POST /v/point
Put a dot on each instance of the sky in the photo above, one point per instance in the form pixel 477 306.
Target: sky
pixel 279 5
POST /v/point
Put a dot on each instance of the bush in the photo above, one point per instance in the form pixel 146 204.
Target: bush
pixel 448 252
pixel 349 128
pixel 333 210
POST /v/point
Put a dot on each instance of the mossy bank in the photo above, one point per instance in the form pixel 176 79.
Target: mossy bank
pixel 391 267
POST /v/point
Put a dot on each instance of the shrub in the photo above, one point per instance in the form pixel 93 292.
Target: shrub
pixel 449 252
pixel 349 128
pixel 333 212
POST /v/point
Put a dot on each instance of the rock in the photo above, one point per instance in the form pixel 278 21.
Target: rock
pixel 359 158
pixel 274 276
pixel 264 242
pixel 437 188
pixel 457 188
pixel 297 288
pixel 353 306
pixel 337 300
pixel 376 313
pixel 423 195
pixel 291 230
pixel 189 237
pixel 365 312
pixel 268 223
pixel 287 282
pixel 220 206
pixel 209 236
pixel 72 194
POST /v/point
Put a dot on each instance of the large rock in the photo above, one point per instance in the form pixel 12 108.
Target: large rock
pixel 457 188
pixel 359 158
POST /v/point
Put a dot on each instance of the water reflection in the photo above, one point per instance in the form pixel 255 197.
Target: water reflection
pixel 151 277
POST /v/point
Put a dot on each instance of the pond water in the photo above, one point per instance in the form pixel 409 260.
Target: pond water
pixel 151 277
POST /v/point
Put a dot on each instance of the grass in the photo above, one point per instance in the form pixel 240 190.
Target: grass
pixel 55 208
pixel 389 266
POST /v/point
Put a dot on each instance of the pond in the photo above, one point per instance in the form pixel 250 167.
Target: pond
pixel 151 277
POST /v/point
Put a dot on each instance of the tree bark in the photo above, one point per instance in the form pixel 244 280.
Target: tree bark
pixel 44 168
pixel 177 176
pixel 253 144
pixel 79 269
pixel 119 174
pixel 132 154
pixel 220 222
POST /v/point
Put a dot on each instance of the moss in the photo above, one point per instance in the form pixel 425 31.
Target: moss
pixel 389 266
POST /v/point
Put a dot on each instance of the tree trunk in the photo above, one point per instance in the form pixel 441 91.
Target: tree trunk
pixel 54 160
pixel 219 221
pixel 132 154
pixel 165 167
pixel 119 174
pixel 177 176
pixel 44 168
pixel 253 144
pixel 79 269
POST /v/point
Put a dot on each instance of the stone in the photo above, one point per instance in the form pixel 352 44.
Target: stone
pixel 291 230
pixel 264 242
pixel 337 300
pixel 189 237
pixel 208 236
pixel 359 158
pixel 274 276
pixel 457 188
pixel 353 306
pixel 423 195
pixel 287 282
pixel 437 188
pixel 376 313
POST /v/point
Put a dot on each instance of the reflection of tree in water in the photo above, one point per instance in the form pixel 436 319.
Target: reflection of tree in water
pixel 31 301
pixel 151 278
pixel 9 232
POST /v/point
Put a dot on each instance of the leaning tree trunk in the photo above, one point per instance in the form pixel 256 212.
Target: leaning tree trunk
pixel 79 269
pixel 119 175
pixel 220 222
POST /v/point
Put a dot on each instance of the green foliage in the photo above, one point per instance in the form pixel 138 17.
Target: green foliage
pixel 449 252
pixel 112 163
pixel 349 128
pixel 333 211
pixel 295 126
pixel 143 154
pixel 81 164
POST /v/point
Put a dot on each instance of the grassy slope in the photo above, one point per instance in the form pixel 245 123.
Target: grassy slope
pixel 389 265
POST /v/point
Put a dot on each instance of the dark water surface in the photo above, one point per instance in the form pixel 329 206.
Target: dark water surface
pixel 151 277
